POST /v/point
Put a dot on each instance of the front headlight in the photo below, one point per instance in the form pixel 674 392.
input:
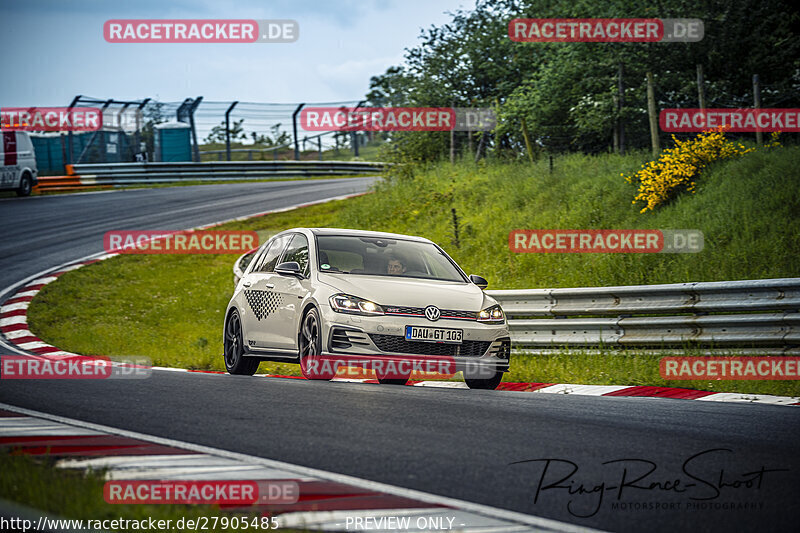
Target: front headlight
pixel 493 314
pixel 344 303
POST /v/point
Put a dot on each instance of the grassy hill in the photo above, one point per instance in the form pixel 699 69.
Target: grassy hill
pixel 748 210
pixel 170 307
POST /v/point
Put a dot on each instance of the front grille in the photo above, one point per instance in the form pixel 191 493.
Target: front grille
pixel 398 344
pixel 420 311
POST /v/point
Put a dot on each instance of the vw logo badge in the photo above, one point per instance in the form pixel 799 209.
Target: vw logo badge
pixel 432 313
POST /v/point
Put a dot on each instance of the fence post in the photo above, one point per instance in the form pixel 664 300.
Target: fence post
pixel 757 105
pixel 319 146
pixel 481 142
pixel 294 128
pixel 137 135
pixel 615 129
pixel 651 111
pixel 701 87
pixel 496 133
pixel 186 110
pixel 228 130
pixel 69 134
pixel 527 138
pixel 354 134
pixel 94 135
pixel 620 105
pixel 452 140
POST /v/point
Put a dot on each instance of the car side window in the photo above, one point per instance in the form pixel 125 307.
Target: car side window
pixel 298 251
pixel 259 257
pixel 270 258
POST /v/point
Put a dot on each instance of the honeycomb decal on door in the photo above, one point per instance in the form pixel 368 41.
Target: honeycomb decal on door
pixel 263 303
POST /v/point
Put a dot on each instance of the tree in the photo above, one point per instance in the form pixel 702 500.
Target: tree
pixel 566 91
pixel 217 134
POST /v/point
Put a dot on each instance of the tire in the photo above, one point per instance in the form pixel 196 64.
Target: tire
pixel 309 342
pixel 486 384
pixel 25 185
pixel 235 360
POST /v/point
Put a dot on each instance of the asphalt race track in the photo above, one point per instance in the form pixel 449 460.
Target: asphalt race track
pixel 39 232
pixel 658 464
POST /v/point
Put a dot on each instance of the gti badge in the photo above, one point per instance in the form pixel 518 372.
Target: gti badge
pixel 432 313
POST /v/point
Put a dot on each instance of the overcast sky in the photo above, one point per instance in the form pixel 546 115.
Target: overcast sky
pixel 54 50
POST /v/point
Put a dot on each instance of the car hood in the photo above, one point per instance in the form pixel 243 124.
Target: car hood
pixel 387 290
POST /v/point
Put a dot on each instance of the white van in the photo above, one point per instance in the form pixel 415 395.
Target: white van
pixel 17 163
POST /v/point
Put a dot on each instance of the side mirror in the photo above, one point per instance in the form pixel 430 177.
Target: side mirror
pixel 289 268
pixel 479 281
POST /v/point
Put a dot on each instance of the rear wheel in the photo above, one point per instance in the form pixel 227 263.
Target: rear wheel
pixel 25 185
pixel 235 360
pixel 487 383
pixel 310 343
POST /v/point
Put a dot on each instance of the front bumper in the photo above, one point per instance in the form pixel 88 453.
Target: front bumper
pixel 483 345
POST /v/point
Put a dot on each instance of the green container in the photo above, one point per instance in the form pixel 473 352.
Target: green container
pixel 173 142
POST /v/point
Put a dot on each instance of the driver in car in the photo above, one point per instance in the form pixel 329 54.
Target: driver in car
pixel 395 266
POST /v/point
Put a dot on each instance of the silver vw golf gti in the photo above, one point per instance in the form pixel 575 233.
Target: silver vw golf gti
pixel 308 294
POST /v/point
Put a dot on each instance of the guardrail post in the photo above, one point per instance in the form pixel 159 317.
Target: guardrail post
pixel 228 130
pixel 294 129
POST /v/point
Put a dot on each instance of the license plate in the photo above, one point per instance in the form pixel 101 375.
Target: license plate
pixel 448 336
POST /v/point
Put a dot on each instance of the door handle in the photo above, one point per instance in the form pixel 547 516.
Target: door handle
pixel 269 285
pixel 246 283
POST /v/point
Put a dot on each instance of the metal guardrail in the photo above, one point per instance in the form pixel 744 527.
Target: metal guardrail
pixel 717 316
pixel 750 314
pixel 110 174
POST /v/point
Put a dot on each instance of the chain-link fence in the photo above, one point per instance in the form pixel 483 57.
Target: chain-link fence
pixel 191 130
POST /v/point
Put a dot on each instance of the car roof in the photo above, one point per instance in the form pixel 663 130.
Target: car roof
pixel 361 233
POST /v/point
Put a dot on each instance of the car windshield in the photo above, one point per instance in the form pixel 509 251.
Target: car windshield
pixel 372 256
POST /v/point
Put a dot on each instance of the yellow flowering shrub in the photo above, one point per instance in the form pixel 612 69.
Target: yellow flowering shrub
pixel 677 167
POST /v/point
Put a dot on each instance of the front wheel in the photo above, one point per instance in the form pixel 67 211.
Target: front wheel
pixel 235 360
pixel 25 185
pixel 312 365
pixel 487 383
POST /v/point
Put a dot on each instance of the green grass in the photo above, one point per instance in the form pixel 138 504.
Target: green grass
pixel 748 210
pixel 170 307
pixel 70 494
pixel 174 317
